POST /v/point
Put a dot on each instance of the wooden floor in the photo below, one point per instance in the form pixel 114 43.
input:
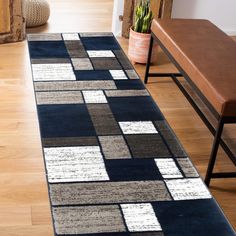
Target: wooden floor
pixel 24 203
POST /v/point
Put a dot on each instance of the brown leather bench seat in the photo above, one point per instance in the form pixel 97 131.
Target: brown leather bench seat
pixel 207 55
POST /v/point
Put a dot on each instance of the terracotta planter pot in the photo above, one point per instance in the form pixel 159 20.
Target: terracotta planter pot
pixel 138 47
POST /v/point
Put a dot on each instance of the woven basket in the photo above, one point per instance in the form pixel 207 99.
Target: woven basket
pixel 37 12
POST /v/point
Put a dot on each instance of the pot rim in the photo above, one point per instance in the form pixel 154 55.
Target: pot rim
pixel 138 33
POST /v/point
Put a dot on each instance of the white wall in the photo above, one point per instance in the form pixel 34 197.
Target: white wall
pixel 220 12
pixel 117 11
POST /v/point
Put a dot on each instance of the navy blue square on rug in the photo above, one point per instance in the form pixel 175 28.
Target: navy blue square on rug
pixel 182 218
pixel 134 108
pixel 65 121
pixel 100 43
pixel 93 75
pixel 129 84
pixel 114 166
pixel 127 170
pixel 48 49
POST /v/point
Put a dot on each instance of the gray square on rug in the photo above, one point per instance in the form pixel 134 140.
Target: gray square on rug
pixel 88 219
pixel 107 63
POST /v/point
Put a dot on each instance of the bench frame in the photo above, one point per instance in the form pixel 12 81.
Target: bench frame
pixel 221 119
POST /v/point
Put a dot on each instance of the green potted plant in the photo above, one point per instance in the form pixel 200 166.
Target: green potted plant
pixel 139 37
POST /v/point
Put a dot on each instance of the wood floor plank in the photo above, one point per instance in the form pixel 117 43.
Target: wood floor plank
pixel 41 215
pixel 22 215
pixel 35 230
pixel 21 189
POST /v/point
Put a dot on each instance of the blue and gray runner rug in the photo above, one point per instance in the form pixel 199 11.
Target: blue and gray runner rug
pixel 114 166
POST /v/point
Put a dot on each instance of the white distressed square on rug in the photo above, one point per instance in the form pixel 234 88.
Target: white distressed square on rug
pixel 72 164
pixel 168 168
pixel 100 53
pixel 140 217
pixel 188 189
pixel 94 96
pixel 118 74
pixel 70 36
pixel 137 127
pixel 51 72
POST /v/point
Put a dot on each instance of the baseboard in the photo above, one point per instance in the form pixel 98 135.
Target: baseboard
pixel 117 33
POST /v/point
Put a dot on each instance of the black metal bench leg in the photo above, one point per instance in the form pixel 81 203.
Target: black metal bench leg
pixel 214 151
pixel 148 60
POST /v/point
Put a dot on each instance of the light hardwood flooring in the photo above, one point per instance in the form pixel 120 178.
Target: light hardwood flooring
pixel 24 203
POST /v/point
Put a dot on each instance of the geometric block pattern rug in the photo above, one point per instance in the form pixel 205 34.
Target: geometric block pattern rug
pixel 113 164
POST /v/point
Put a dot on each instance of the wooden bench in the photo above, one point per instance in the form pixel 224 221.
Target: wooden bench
pixel 206 57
